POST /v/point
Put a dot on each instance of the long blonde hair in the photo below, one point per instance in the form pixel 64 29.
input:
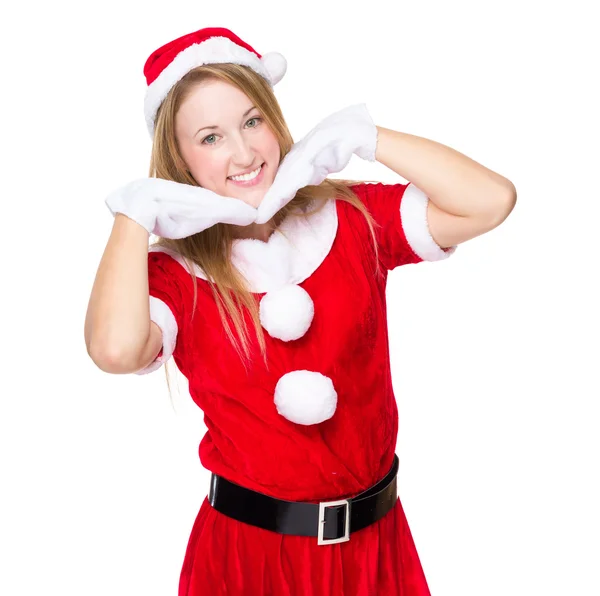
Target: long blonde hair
pixel 211 249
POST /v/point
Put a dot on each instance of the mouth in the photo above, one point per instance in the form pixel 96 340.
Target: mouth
pixel 250 179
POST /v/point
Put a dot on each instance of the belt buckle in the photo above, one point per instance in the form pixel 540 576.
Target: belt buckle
pixel 321 530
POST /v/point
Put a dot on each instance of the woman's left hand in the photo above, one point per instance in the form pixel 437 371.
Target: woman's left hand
pixel 327 148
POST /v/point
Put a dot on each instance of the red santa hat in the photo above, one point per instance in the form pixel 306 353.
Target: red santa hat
pixel 172 61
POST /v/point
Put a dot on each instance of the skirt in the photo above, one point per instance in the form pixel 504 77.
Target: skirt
pixel 226 556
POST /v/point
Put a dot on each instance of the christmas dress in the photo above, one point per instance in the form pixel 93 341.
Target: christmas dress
pixel 319 423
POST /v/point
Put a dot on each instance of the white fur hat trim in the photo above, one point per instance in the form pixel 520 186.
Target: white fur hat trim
pixel 305 397
pixel 272 67
pixel 287 313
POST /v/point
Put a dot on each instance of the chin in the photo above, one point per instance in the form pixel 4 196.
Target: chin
pixel 256 200
pixel 252 200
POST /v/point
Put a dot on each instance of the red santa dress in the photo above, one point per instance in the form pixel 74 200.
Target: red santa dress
pixel 320 422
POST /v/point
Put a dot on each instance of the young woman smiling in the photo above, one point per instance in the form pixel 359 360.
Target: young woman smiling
pixel 301 416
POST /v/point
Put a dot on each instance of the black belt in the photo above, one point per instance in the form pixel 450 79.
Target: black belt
pixel 331 522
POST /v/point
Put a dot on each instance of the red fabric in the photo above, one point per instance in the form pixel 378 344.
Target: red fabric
pixel 225 556
pixel 249 443
pixel 163 284
pixel 163 56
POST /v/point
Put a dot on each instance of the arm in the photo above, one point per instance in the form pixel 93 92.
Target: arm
pixel 118 332
pixel 466 198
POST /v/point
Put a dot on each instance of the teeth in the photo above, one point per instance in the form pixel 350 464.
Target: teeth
pixel 249 176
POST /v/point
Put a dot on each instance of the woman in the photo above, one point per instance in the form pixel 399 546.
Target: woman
pixel 267 286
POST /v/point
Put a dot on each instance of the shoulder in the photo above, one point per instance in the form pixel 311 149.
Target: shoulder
pixel 170 261
pixel 169 273
pixel 380 199
pixel 162 255
pixel 373 192
pixel 399 211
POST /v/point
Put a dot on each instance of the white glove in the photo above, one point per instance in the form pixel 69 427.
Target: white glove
pixel 175 210
pixel 327 148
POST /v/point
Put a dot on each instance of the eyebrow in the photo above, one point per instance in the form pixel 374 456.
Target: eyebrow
pixel 243 116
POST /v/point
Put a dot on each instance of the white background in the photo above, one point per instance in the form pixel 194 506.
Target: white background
pixel 494 351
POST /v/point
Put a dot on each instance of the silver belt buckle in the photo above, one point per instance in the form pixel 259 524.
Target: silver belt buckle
pixel 321 530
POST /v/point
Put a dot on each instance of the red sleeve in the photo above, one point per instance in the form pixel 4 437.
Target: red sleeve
pixel 166 304
pixel 401 211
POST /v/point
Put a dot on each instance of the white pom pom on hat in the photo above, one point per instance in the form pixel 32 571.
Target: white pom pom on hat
pixel 305 397
pixel 276 66
pixel 212 45
pixel 286 313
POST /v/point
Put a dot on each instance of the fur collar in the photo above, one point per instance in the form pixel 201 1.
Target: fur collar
pixel 292 253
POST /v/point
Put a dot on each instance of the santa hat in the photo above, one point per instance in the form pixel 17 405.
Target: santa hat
pixel 171 62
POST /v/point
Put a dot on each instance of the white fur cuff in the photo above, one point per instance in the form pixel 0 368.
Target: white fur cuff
pixel 161 314
pixel 413 212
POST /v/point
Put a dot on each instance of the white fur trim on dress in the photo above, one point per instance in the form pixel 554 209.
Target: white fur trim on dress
pixel 161 314
pixel 305 397
pixel 215 50
pixel 413 212
pixel 287 313
pixel 292 253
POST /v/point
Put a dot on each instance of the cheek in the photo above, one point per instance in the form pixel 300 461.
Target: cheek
pixel 208 169
pixel 271 150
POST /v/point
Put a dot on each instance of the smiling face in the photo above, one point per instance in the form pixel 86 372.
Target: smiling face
pixel 222 135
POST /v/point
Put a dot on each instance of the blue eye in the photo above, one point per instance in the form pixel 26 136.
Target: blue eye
pixel 256 118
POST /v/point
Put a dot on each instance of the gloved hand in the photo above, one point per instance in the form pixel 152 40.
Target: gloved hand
pixel 327 148
pixel 175 210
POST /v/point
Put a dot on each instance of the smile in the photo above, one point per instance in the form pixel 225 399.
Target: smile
pixel 248 179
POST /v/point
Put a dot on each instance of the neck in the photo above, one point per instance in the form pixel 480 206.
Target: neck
pixel 255 231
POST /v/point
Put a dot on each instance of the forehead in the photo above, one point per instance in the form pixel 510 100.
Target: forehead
pixel 213 101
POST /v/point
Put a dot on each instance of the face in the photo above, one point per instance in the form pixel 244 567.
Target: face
pixel 221 134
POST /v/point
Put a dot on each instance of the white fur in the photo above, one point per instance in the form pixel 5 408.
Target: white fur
pixel 264 264
pixel 212 51
pixel 287 313
pixel 161 314
pixel 305 397
pixel 276 65
pixel 413 212
pixel 291 255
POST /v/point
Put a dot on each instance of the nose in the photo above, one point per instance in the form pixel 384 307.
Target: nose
pixel 242 152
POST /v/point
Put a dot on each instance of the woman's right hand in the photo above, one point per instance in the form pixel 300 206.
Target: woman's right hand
pixel 175 210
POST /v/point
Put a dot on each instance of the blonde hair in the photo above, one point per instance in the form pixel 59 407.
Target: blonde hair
pixel 211 249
